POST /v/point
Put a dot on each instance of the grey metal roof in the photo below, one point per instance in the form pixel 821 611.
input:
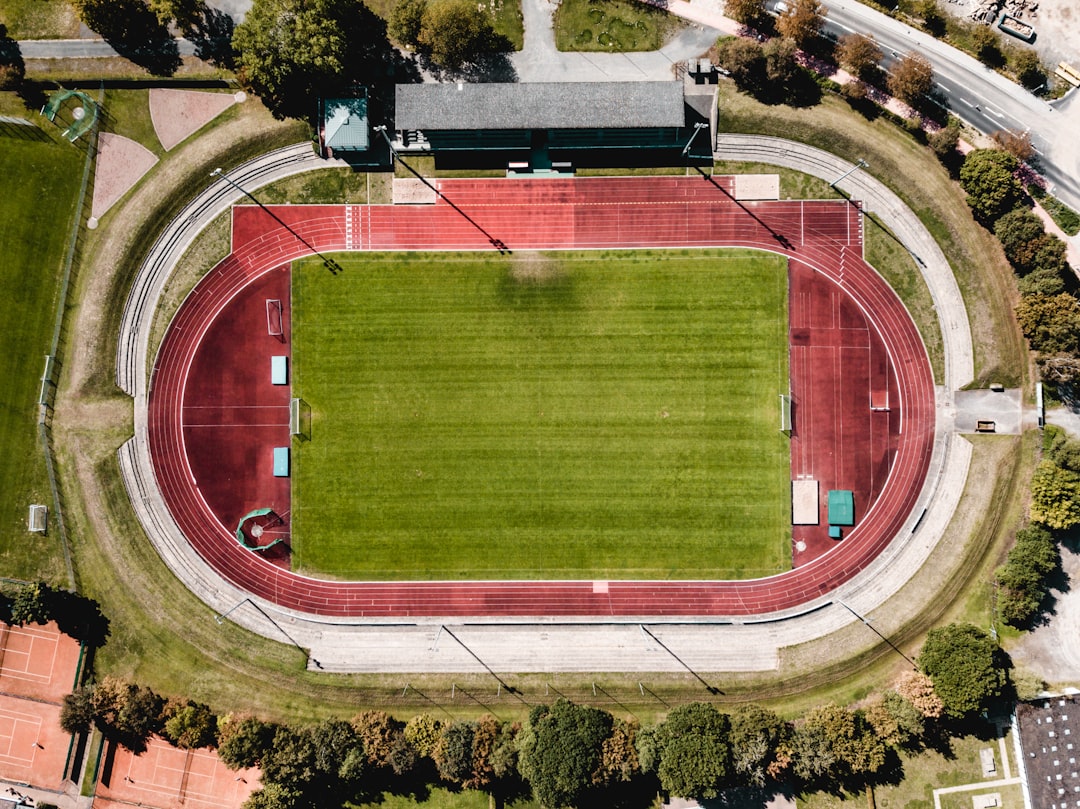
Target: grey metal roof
pixel 540 105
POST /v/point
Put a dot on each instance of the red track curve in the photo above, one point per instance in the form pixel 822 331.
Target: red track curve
pixel 554 214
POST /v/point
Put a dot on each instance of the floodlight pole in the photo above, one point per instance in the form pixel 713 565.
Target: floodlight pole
pixel 329 263
pixel 697 128
pixel 874 629
pixel 498 244
pixel 221 618
pixel 861 164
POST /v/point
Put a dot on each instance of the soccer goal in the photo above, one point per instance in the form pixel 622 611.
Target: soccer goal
pixel 39 518
pixel 274 325
pixel 300 418
pixel 785 413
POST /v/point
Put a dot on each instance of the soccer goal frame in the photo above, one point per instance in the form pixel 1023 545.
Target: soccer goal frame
pixel 300 419
pixel 275 326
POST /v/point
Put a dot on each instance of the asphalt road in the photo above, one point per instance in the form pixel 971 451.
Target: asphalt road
pixel 978 95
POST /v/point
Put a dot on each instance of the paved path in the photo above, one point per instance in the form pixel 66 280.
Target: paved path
pixel 530 644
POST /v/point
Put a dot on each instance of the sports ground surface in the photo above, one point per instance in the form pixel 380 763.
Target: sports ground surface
pixel 38 667
pixel 855 342
pixel 596 415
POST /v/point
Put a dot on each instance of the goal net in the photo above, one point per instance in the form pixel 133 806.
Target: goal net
pixel 785 413
pixel 273 317
pixel 300 418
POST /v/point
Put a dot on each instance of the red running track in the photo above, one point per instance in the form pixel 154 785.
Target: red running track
pixel 554 214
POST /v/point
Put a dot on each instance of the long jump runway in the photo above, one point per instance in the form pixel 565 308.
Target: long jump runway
pixel 871 345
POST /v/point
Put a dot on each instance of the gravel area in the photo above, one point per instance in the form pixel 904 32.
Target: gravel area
pixel 1056 24
pixel 178 113
pixel 121 162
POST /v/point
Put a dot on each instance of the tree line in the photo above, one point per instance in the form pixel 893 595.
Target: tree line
pixel 570 755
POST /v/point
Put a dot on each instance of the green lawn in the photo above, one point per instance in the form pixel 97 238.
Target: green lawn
pixel 39 19
pixel 41 184
pixel 542 416
pixel 612 25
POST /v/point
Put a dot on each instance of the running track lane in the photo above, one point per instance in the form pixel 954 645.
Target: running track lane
pixel 553 214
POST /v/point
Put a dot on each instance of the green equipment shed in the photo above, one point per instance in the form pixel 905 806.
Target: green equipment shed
pixel 841 507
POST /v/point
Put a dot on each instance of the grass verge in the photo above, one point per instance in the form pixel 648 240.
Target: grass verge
pixel 614 26
pixel 542 416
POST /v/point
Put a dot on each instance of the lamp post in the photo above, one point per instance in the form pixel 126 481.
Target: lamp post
pixel 861 164
pixel 329 263
pixel 498 244
pixel 697 128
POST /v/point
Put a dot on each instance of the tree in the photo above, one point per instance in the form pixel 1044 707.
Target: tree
pixel 1029 70
pixel 1060 448
pixel 77 712
pixel 560 751
pixel 1019 231
pixel 244 741
pixel 945 140
pixel 911 78
pixel 897 722
pixel 406 20
pixel 377 731
pixel 756 735
pixel 813 758
pixel 933 21
pixel 855 748
pixel 918 689
pixel 858 53
pixel 1055 496
pixel 781 66
pixel 744 59
pixel 190 725
pixel 987 46
pixel 423 732
pixel 1051 324
pixel 31 604
pixel 295 51
pixel 127 713
pixel 1046 282
pixel 961 659
pixel 745 11
pixel 987 177
pixel 802 21
pixel 455 33
pixel 695 751
pixel 454 753
pixel 184 12
pixel 618 756
pixel 12 66
pixel 273 796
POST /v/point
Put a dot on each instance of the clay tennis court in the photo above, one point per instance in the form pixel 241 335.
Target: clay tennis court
pixel 166 777
pixel 852 345
pixel 37 668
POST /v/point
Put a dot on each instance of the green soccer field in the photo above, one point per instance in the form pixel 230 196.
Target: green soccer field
pixel 565 416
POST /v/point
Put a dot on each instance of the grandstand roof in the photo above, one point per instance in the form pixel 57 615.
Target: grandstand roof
pixel 345 124
pixel 540 105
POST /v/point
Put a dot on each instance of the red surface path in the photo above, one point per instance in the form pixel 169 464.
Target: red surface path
pixel 823 237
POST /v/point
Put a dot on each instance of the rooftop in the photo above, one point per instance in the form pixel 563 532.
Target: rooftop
pixel 540 105
pixel 1050 738
pixel 345 124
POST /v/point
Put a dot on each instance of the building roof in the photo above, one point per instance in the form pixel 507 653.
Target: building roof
pixel 1050 740
pixel 540 105
pixel 345 124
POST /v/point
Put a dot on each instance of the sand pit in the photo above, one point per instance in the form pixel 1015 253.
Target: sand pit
pixel 121 162
pixel 178 113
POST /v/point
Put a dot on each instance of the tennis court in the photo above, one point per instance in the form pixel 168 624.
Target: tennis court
pixel 38 666
pixel 166 777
